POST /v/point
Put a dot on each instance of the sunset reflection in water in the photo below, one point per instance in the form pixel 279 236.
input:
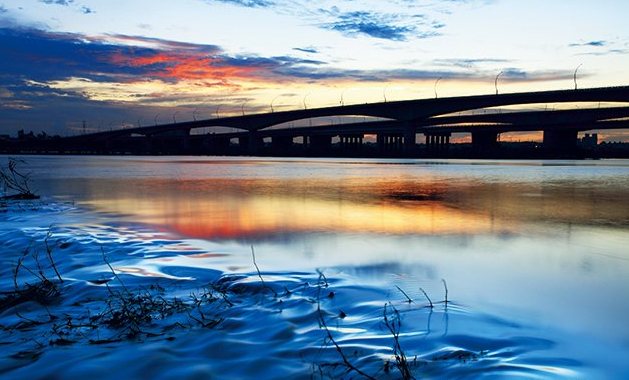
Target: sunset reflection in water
pixel 225 209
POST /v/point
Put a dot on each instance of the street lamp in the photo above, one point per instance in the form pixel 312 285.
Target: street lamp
pixel 496 81
pixel 175 120
pixel 155 120
pixel 437 81
pixel 575 75
pixel 304 101
pixel 242 107
pixel 194 112
pixel 272 103
pixel 218 108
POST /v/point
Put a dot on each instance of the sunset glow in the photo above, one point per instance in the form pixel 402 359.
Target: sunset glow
pixel 98 62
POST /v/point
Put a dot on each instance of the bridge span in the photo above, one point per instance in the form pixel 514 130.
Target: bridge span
pixel 435 118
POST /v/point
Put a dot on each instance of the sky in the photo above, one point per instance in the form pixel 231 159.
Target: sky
pixel 114 63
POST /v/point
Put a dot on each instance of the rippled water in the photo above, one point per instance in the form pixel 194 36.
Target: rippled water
pixel 533 253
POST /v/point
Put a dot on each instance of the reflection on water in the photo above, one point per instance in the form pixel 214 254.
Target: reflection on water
pixel 540 244
pixel 260 208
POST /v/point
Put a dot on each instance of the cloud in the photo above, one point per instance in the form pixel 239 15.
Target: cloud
pixel 371 24
pixel 45 57
pixel 597 43
pixel 86 10
pixel 310 50
pixel 246 3
pixel 467 62
pixel 613 47
pixel 3 9
pixel 606 52
pixel 58 2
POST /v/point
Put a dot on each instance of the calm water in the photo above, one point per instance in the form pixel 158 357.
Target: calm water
pixel 534 254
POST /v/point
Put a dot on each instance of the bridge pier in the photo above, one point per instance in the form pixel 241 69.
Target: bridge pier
pixel 281 145
pixel 147 144
pixel 217 145
pixel 485 143
pixel 562 141
pixel 437 144
pixel 351 144
pixel 186 142
pixel 254 143
pixel 320 145
pixel 410 146
pixel 243 144
pixel 390 145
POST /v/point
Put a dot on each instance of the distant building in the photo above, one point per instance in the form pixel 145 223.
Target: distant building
pixel 590 141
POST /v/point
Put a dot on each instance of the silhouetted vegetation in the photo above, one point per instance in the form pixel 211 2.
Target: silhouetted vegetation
pixel 12 180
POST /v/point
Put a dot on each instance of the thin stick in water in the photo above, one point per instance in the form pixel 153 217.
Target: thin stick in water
pixel 264 285
pixel 445 285
pixel 405 295
pixel 428 298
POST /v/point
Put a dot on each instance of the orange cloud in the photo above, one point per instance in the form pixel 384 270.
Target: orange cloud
pixel 194 66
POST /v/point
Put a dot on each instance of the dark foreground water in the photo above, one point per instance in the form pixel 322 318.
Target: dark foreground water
pixel 157 280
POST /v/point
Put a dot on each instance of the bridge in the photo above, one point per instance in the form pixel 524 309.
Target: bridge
pixel 395 132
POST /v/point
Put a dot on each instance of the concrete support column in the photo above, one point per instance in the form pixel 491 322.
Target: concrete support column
pixel 485 142
pixel 437 144
pixel 429 142
pixel 351 144
pixel 147 144
pixel 186 141
pixel 320 145
pixel 243 144
pixel 219 145
pixel 409 139
pixel 254 143
pixel 562 141
pixel 380 144
pixel 281 145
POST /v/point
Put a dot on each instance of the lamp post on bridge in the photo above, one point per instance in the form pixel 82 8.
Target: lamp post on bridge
pixel 155 120
pixel 496 81
pixel 194 112
pixel 175 114
pixel 242 107
pixel 304 101
pixel 272 110
pixel 437 81
pixel 575 75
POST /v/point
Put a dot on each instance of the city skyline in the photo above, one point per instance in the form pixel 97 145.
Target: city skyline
pixel 112 63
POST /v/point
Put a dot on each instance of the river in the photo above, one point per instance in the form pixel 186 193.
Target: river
pixel 307 264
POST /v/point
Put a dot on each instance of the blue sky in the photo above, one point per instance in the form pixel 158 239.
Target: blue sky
pixel 117 62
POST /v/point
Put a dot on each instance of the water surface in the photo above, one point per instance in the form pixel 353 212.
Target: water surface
pixel 533 254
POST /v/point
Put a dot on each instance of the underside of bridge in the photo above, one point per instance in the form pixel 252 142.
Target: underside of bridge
pixel 562 142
